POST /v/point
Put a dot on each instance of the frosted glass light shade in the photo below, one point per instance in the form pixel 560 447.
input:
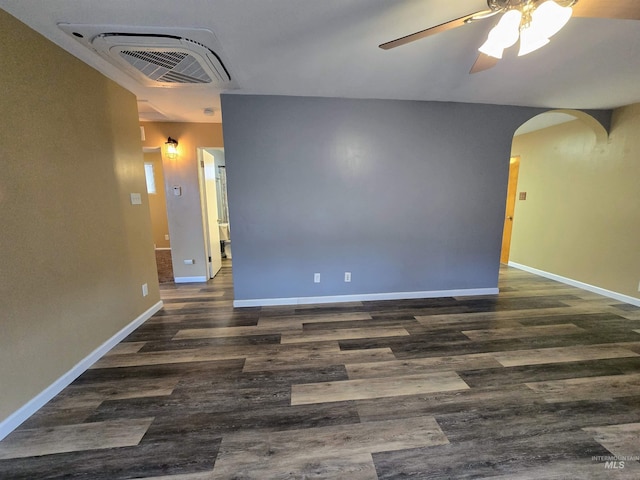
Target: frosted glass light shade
pixel 546 20
pixel 530 42
pixel 492 49
pixel 503 35
pixel 549 18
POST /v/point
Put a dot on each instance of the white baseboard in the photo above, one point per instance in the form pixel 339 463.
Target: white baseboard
pixel 268 302
pixel 575 283
pixel 190 279
pixel 32 406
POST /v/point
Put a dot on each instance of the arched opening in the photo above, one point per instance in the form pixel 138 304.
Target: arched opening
pixel 575 204
pixel 560 116
pixel 546 120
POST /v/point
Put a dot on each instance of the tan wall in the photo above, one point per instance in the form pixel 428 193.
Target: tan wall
pixel 581 218
pixel 73 251
pixel 158 202
pixel 184 212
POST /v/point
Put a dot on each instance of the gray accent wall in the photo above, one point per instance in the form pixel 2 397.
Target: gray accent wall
pixel 407 196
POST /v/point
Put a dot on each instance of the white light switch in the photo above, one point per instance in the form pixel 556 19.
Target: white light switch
pixel 177 190
pixel 136 199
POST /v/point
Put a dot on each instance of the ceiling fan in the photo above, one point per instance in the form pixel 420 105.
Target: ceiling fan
pixel 533 22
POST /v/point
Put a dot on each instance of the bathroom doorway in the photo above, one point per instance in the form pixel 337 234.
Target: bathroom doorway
pixel 215 213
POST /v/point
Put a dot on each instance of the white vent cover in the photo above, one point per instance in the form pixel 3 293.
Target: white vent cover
pixel 166 66
pixel 157 57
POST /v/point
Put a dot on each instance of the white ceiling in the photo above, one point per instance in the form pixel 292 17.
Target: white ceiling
pixel 330 48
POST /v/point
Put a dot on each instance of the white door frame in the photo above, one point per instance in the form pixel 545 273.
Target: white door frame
pixel 208 204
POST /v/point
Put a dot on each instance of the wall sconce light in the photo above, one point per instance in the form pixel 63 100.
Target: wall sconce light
pixel 172 148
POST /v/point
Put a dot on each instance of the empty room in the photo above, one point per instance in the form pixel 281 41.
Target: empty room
pixel 349 239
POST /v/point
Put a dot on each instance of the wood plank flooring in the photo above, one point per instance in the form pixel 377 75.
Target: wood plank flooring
pixel 539 382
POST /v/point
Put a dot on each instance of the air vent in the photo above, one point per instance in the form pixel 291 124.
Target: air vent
pixel 154 58
pixel 163 60
pixel 168 67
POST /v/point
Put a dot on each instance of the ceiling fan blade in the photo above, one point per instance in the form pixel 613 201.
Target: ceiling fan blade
pixel 621 9
pixel 443 27
pixel 483 62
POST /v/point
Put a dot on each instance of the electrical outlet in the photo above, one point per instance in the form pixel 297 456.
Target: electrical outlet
pixel 166 237
pixel 347 276
pixel 316 278
pixel 189 261
pixel 145 289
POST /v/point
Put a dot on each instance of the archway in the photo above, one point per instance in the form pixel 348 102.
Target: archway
pixel 559 116
pixel 541 121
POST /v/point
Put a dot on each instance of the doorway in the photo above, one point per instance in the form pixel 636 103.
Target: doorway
pixel 514 169
pixel 154 176
pixel 209 208
pixel 214 206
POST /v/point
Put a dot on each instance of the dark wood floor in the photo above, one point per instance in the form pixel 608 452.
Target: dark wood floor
pixel 540 382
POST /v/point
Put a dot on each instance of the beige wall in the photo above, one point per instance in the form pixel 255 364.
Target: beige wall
pixel 184 212
pixel 158 202
pixel 73 251
pixel 581 218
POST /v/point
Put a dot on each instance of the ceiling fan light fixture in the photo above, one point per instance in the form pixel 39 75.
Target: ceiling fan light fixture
pixel 549 18
pixel 530 42
pixel 492 49
pixel 546 20
pixel 503 35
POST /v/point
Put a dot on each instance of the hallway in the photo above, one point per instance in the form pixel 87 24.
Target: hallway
pixel 542 381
